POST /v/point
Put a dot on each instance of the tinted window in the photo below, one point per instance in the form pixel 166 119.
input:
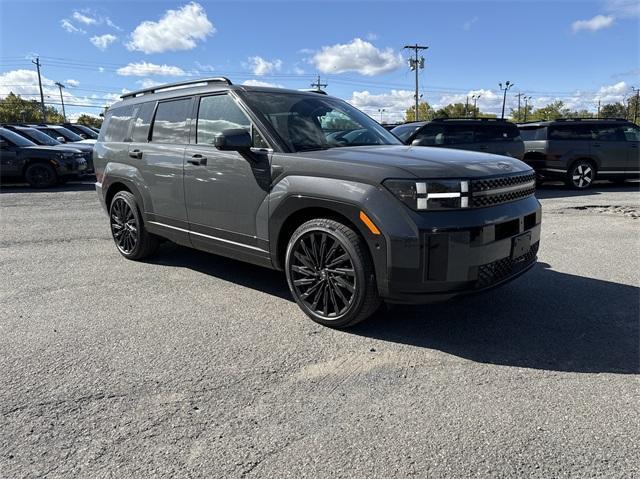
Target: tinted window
pixel 37 136
pixel 535 133
pixel 171 122
pixel 67 134
pixel 404 131
pixel 608 133
pixel 570 132
pixel 141 124
pixel 496 132
pixel 117 122
pixel 216 114
pixel 431 135
pixel 14 139
pixel 631 133
pixel 458 134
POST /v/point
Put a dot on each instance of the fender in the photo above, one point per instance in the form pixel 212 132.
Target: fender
pixel 128 176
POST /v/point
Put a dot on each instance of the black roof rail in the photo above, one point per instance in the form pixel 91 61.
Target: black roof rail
pixel 313 90
pixel 589 119
pixel 444 118
pixel 157 88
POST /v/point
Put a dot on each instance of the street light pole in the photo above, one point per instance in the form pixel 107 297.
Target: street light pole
pixel 526 106
pixel 507 86
pixel 381 111
pixel 475 99
pixel 60 87
pixel 415 64
pixel 635 110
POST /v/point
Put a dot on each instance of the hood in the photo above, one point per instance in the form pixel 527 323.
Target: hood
pixel 78 145
pixel 424 161
pixel 53 149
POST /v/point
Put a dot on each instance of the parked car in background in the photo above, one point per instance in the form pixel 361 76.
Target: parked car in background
pixel 61 134
pixel 580 150
pixel 40 166
pixel 41 138
pixel 488 135
pixel 308 184
pixel 81 130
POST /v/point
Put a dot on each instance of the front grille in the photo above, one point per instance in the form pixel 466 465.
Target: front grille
pixel 502 189
pixel 501 269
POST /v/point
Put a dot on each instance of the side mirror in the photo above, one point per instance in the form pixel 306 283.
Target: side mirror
pixel 83 136
pixel 416 142
pixel 233 139
pixel 61 139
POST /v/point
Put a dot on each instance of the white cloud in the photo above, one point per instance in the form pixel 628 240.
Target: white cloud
pixel 612 93
pixel 70 27
pixel 101 69
pixel 394 103
pixel 204 67
pixel 176 30
pixel 357 56
pixel 298 71
pixel 72 83
pixel 469 23
pixel 103 41
pixel 594 24
pixel 260 66
pixel 82 18
pixel 261 83
pixel 144 69
pixel 148 83
pixel 623 8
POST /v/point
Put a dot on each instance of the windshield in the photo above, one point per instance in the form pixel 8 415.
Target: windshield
pixel 38 137
pixel 535 133
pixel 68 134
pixel 14 138
pixel 306 122
pixel 85 131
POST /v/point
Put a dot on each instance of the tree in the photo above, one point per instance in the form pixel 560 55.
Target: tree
pixel 457 110
pixel 89 120
pixel 425 112
pixel 552 111
pixel 13 108
pixel 613 110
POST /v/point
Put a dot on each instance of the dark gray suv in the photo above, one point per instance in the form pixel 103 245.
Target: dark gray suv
pixel 308 184
pixel 579 150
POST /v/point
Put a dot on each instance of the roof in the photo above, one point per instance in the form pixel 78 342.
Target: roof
pixel 572 120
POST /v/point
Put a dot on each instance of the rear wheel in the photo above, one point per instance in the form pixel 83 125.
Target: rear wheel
pixel 40 175
pixel 330 273
pixel 581 175
pixel 132 239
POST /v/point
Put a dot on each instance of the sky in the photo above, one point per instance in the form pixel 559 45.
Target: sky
pixel 575 51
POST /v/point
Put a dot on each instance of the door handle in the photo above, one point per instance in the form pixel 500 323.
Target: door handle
pixel 137 154
pixel 198 160
pixel 595 144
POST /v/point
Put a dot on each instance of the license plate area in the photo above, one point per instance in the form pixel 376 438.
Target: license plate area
pixel 520 245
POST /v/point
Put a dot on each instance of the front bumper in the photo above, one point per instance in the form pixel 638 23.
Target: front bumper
pixel 451 253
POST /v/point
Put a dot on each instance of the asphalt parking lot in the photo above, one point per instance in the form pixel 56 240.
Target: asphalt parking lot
pixel 192 365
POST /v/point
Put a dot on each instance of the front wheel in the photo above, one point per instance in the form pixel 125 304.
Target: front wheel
pixel 330 273
pixel 581 175
pixel 40 175
pixel 132 239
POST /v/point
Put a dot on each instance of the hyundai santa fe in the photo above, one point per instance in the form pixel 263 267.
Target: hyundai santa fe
pixel 308 184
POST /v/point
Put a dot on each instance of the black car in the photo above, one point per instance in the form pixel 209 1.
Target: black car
pixel 41 138
pixel 40 166
pixel 82 131
pixel 353 217
pixel 61 134
pixel 580 150
pixel 489 135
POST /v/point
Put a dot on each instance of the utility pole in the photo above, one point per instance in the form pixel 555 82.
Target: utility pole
pixel 466 107
pixel 598 115
pixel 526 106
pixel 416 64
pixel 519 95
pixel 381 111
pixel 507 86
pixel 635 110
pixel 475 99
pixel 318 86
pixel 60 87
pixel 44 111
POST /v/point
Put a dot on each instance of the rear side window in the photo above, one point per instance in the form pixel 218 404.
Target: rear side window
pixel 404 131
pixel 570 132
pixel 431 135
pixel 171 122
pixel 458 134
pixel 532 134
pixel 216 114
pixel 496 132
pixel 117 124
pixel 608 133
pixel 140 132
pixel 631 133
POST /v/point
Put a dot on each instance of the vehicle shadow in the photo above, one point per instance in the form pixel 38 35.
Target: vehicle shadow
pixel 559 190
pixel 545 320
pixel 84 185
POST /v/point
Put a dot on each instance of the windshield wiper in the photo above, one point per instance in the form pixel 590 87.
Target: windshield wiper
pixel 312 148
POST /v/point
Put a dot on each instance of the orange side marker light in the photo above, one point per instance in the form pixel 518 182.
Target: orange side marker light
pixel 367 221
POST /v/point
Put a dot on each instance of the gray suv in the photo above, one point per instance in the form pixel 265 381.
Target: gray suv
pixel 579 150
pixel 488 135
pixel 306 183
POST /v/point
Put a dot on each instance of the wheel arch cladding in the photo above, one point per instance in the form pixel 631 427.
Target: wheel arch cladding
pixel 118 185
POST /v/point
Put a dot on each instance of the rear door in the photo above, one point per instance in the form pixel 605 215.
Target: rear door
pixel 224 190
pixel 632 136
pixel 610 145
pixel 160 161
pixel 9 163
pixel 499 138
pixel 460 137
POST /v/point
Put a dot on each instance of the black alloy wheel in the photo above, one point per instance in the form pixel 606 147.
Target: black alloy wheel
pixel 127 228
pixel 330 273
pixel 40 175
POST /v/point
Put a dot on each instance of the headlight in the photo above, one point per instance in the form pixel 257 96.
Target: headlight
pixel 431 194
pixel 64 156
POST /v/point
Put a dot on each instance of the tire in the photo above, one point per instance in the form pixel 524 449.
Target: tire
pixel 129 234
pixel 41 175
pixel 581 175
pixel 330 273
